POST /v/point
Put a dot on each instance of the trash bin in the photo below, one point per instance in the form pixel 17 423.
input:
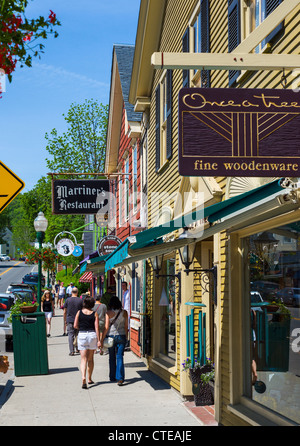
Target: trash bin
pixel 30 344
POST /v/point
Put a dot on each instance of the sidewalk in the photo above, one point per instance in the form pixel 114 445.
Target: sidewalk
pixel 57 399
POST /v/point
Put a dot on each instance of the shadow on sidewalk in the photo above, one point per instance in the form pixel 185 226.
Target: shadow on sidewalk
pixel 63 370
pixel 153 380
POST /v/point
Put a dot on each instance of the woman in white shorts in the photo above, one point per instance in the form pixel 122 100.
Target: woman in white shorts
pixel 48 309
pixel 87 322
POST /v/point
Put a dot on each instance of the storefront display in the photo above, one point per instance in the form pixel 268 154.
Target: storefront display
pixel 274 284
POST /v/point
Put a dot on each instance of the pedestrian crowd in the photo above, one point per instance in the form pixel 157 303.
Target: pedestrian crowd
pixel 88 323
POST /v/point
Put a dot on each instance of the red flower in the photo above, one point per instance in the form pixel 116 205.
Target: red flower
pixel 28 37
pixel 52 17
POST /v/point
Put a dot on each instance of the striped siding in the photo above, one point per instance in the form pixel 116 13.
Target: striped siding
pixel 168 180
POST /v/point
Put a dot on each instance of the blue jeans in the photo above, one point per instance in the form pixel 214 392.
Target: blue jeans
pixel 116 361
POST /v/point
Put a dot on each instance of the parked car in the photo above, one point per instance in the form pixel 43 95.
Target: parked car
pixel 23 294
pixel 256 300
pixel 5 326
pixel 268 290
pixel 32 278
pixel 290 296
pixel 4 257
pixel 19 285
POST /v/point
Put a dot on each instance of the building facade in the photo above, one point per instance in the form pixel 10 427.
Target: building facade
pixel 229 239
pixel 123 166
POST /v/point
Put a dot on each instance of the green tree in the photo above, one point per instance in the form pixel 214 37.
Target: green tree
pixel 82 148
pixel 4 223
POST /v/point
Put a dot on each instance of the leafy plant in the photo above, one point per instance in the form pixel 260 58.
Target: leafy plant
pixel 16 308
pixel 205 377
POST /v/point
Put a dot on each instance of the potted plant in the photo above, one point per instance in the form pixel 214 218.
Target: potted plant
pixel 279 311
pixel 201 375
pixel 22 306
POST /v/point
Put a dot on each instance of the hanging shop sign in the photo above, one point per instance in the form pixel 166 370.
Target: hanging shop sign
pixel 65 247
pixel 108 244
pixel 239 132
pixel 79 196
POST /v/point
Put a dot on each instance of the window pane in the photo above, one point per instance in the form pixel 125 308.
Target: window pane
pixel 274 265
pixel 168 313
pixel 135 179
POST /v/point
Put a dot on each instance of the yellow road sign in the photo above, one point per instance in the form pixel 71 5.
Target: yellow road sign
pixel 10 186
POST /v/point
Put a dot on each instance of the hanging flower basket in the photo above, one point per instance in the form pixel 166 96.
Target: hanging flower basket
pixel 203 391
pixel 46 255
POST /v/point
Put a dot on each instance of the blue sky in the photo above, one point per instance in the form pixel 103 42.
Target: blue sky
pixel 75 66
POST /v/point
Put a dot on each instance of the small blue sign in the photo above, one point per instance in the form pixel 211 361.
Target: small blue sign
pixel 77 251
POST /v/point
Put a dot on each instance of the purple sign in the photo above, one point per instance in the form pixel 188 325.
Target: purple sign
pixel 239 132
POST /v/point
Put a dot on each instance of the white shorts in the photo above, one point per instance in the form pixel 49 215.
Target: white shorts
pixel 87 340
pixel 48 314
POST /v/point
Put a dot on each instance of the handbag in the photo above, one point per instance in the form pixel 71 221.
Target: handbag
pixel 109 340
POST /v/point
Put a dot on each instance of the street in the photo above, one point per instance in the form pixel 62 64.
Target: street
pixel 13 271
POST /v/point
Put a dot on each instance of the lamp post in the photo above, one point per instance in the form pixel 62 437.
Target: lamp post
pixel 40 225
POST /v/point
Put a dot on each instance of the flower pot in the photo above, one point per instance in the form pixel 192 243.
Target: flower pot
pixel 29 309
pixel 203 392
pixel 272 308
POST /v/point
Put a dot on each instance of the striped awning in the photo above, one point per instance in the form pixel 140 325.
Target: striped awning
pixel 86 277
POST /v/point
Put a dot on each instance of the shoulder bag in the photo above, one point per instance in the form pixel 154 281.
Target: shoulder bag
pixel 109 340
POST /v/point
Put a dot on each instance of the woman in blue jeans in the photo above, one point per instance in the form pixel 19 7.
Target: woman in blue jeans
pixel 116 326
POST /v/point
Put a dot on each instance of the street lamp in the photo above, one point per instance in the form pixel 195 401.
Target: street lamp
pixel 186 252
pixel 40 225
pixel 156 263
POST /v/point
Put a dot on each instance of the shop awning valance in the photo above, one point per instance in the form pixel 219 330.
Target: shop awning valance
pixel 83 268
pixel 86 277
pixel 211 213
pixel 97 264
pixel 119 254
pixel 149 243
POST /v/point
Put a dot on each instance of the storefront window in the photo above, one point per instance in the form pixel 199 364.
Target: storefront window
pixel 168 313
pixel 274 284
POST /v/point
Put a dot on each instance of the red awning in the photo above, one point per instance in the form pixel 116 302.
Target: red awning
pixel 86 277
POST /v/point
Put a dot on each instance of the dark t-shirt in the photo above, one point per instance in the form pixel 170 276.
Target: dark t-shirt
pixel 72 304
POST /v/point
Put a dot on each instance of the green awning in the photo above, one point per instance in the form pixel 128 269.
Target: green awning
pixel 150 241
pixel 83 267
pixel 211 213
pixel 119 254
pixel 98 259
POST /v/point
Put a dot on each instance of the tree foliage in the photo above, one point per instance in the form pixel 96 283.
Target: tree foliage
pixel 82 148
pixel 20 36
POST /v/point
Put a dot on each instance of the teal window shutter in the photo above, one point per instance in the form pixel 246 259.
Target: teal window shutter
pixel 169 114
pixel 205 39
pixel 157 128
pixel 234 34
pixel 185 49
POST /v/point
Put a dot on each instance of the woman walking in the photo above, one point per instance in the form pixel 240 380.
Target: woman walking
pixel 116 326
pixel 48 309
pixel 87 322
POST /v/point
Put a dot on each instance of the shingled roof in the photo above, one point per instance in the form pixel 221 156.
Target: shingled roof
pixel 124 55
